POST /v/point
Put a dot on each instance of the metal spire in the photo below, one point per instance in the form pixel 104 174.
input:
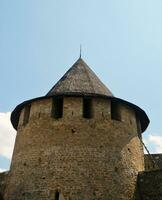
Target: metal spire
pixel 80 51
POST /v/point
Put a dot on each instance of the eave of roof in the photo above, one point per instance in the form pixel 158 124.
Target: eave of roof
pixel 141 113
pixel 80 81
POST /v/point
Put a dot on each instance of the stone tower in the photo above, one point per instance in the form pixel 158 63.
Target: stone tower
pixel 78 142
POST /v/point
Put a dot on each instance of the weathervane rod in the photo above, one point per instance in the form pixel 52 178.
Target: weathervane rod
pixel 80 51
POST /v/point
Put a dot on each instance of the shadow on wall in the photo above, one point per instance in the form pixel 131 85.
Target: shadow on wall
pixel 137 193
pixel 1 197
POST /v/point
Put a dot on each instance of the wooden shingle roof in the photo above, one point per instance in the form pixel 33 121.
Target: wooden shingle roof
pixel 80 79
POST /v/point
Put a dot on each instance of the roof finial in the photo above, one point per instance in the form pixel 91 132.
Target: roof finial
pixel 80 51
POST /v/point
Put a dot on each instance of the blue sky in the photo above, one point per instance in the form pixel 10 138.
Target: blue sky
pixel 122 43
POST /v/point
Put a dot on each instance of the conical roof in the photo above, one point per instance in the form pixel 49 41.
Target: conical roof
pixel 80 79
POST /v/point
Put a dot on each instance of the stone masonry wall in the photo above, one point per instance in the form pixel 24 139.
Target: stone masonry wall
pixel 153 162
pixel 88 159
pixel 150 185
pixel 3 181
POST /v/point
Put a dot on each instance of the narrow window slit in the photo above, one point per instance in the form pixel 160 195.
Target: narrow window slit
pixel 138 122
pixel 57 195
pixel 115 111
pixel 57 107
pixel 26 114
pixel 87 108
pixel 1 197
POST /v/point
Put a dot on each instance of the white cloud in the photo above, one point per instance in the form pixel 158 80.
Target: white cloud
pixel 2 170
pixel 156 141
pixel 7 135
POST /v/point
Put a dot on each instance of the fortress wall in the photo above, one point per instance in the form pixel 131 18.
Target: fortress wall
pixel 3 182
pixel 72 108
pixel 150 185
pixel 149 164
pixel 101 109
pixel 89 159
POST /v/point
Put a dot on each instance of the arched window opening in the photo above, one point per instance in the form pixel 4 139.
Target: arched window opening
pixel 115 111
pixel 57 107
pixel 26 114
pixel 87 108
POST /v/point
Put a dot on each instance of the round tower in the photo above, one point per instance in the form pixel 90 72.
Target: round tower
pixel 78 142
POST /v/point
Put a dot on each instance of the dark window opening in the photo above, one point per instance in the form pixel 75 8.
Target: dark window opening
pixel 23 194
pixel 139 131
pixel 1 197
pixel 57 195
pixel 139 127
pixel 26 114
pixel 57 107
pixel 73 130
pixel 115 111
pixel 87 108
pixel 116 169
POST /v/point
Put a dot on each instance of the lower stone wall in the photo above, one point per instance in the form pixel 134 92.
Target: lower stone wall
pixel 3 178
pixel 83 159
pixel 153 162
pixel 150 185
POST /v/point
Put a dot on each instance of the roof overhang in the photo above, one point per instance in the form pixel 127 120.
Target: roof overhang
pixel 141 113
